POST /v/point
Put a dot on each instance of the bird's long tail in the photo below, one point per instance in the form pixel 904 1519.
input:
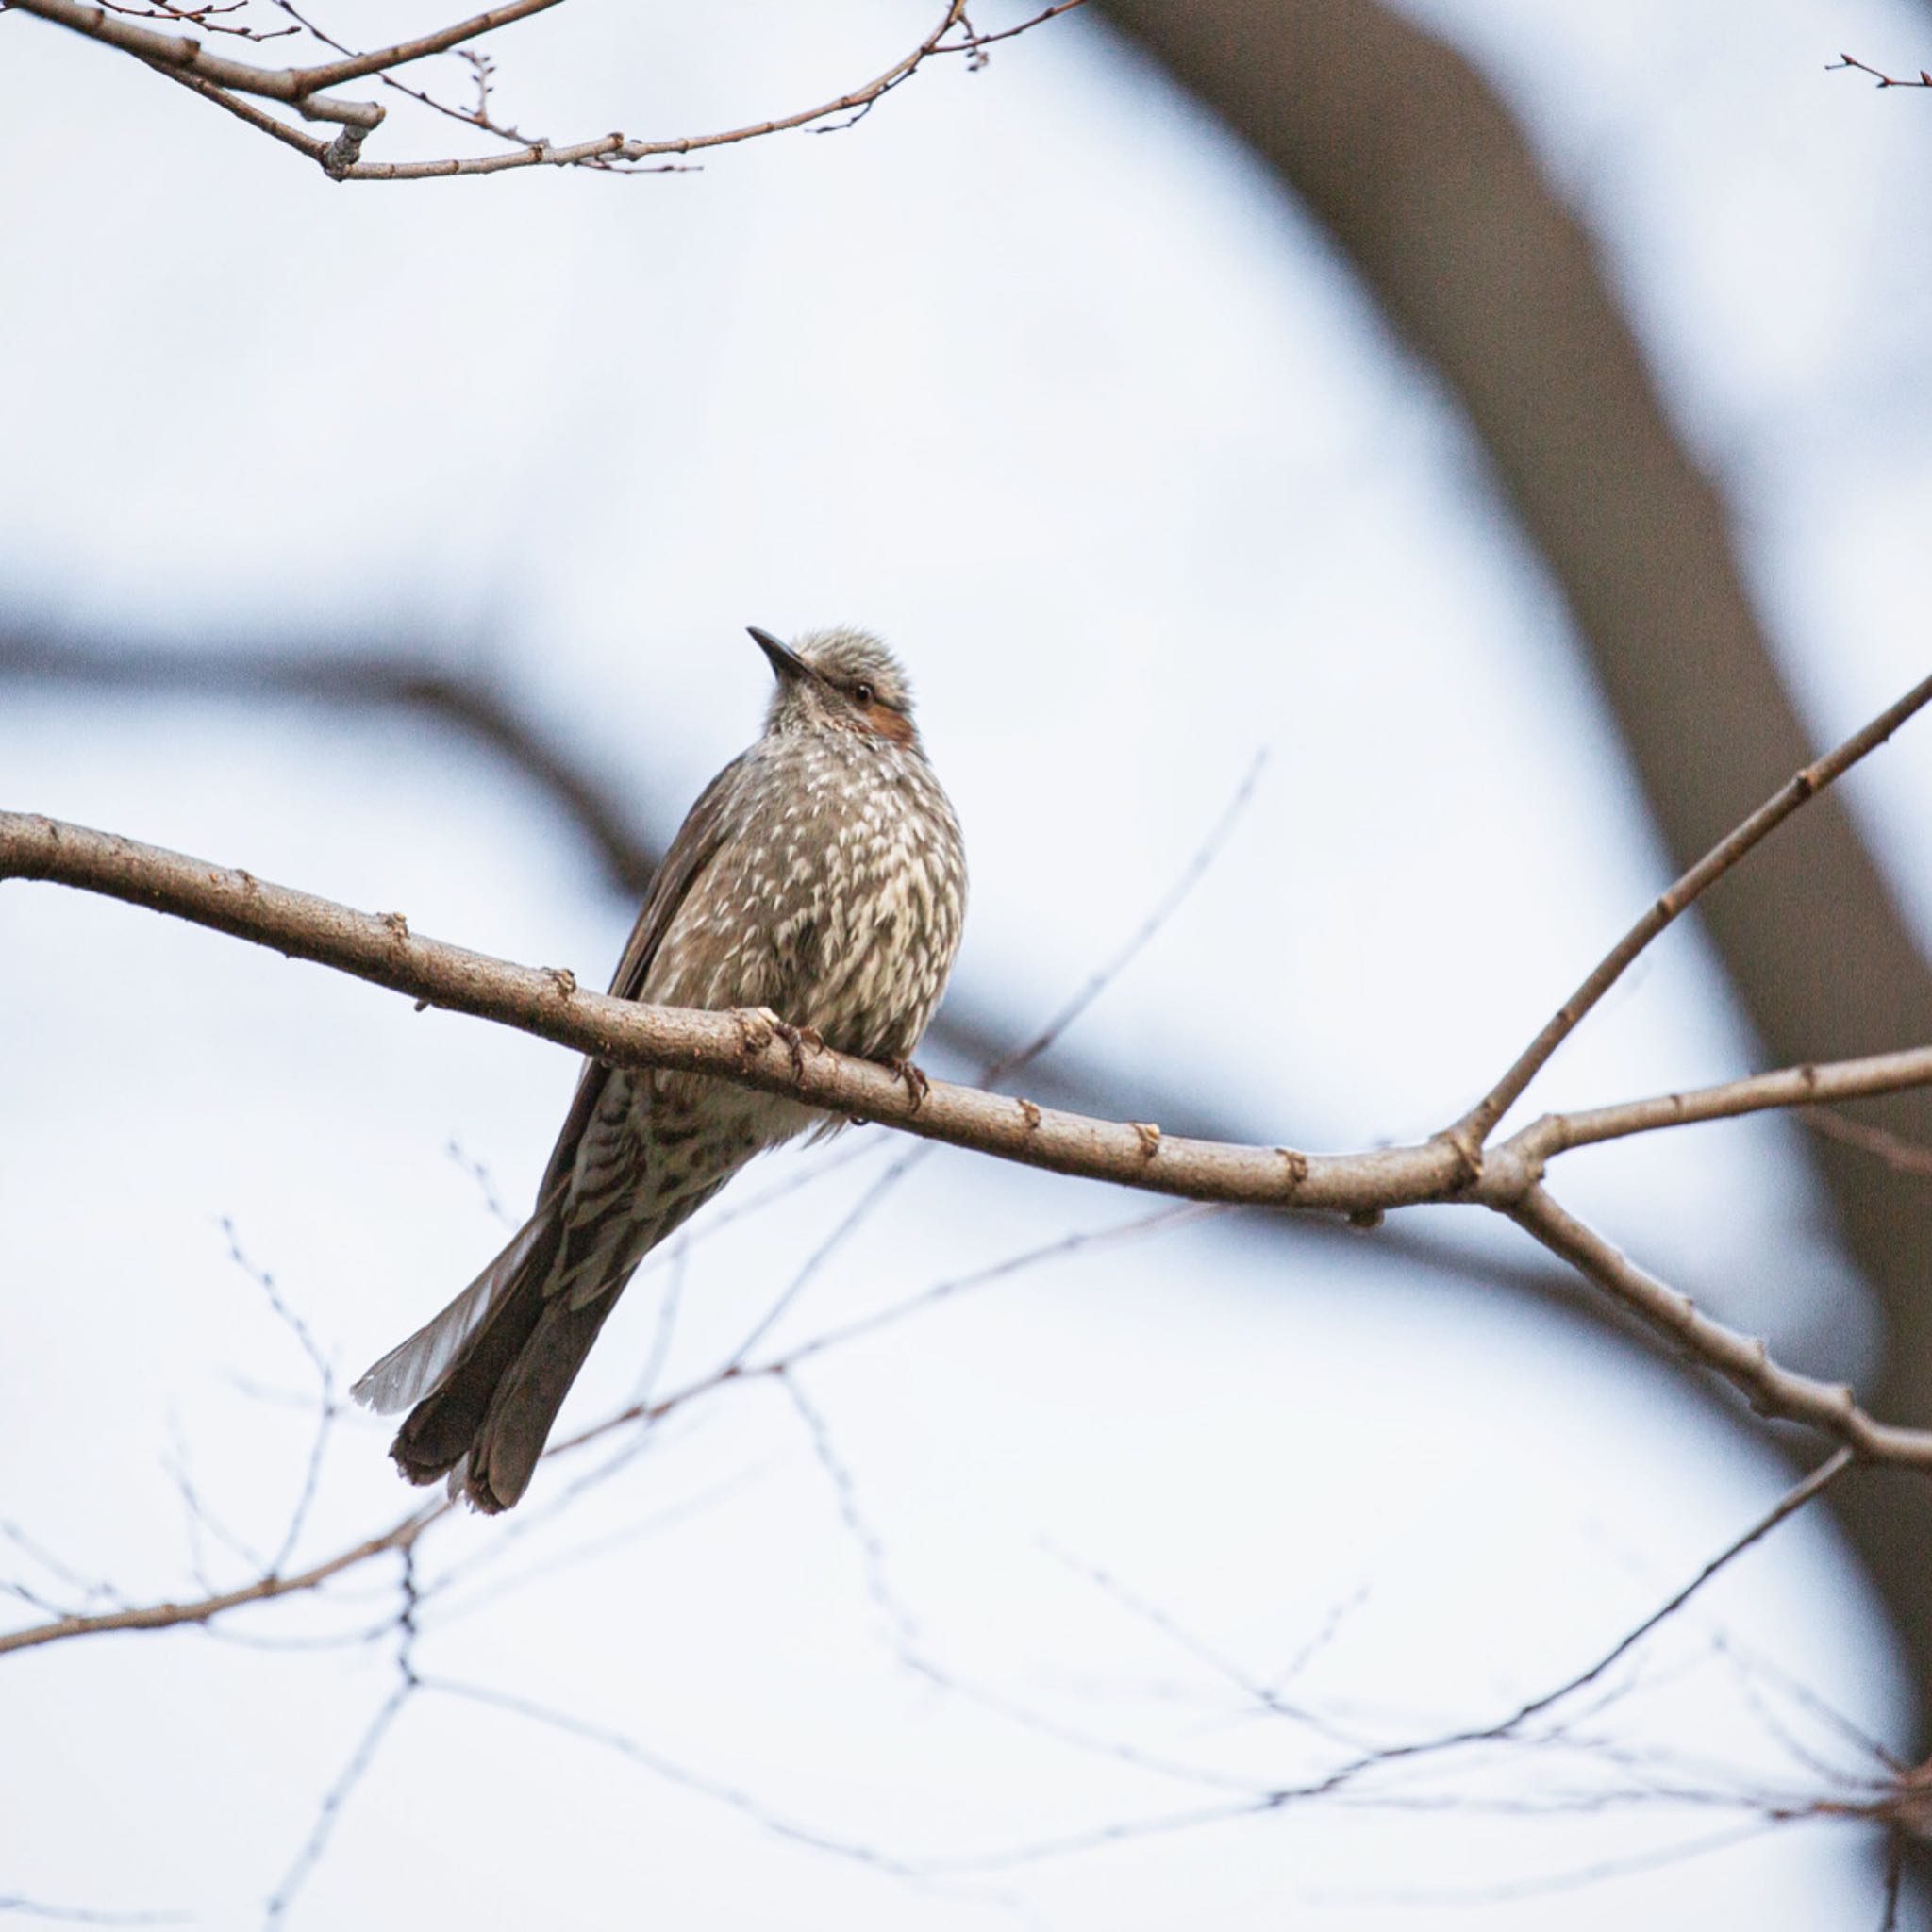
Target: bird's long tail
pixel 488 1375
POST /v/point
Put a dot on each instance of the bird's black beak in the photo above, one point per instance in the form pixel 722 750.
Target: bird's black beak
pixel 787 665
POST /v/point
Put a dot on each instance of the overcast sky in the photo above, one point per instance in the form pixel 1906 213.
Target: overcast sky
pixel 1038 374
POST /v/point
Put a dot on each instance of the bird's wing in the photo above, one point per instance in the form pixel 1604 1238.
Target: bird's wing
pixel 697 841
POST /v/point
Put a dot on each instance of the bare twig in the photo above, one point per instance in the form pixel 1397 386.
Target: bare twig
pixel 644 1412
pixel 1845 60
pixel 228 82
pixel 976 44
pixel 658 1765
pixel 1267 1697
pixel 486 1183
pixel 1473 1129
pixel 166 1616
pixel 865 1538
pixel 290 84
pixel 330 1809
pixel 328 1409
pixel 1199 863
pixel 1794 1499
pixel 1800 1087
pixel 209 19
pixel 84 1915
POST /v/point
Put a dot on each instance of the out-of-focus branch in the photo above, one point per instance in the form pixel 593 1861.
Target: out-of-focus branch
pixel 1431 192
pixel 232 83
pixel 313 670
pixel 1894 1150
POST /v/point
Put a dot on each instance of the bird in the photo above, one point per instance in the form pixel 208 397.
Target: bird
pixel 819 881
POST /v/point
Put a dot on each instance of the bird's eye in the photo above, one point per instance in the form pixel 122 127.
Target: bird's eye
pixel 863 693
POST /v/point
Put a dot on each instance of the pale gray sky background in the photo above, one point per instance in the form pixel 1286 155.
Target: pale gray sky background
pixel 1038 374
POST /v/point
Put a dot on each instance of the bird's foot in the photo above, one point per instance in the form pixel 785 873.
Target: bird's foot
pixel 758 1026
pixel 799 1038
pixel 917 1085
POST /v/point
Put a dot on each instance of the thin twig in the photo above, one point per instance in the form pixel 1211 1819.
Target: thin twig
pixel 168 1616
pixel 329 1812
pixel 290 84
pixel 1844 60
pixel 1473 1129
pixel 1511 1165
pixel 1197 867
pixel 86 1915
pixel 1794 1499
pixel 328 1410
pixel 668 1769
pixel 865 1538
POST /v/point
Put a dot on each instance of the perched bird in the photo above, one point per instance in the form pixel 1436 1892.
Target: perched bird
pixel 821 877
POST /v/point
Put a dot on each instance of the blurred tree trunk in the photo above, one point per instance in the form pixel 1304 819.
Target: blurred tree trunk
pixel 1427 187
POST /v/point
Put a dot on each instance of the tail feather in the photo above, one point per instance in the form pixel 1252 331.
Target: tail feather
pixel 463 1366
pixel 507 1444
pixel 415 1368
pixel 488 1375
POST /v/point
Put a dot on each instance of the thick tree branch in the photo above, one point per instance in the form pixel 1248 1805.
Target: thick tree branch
pixel 740 1048
pixel 1741 1360
pixel 748 1049
pixel 744 1048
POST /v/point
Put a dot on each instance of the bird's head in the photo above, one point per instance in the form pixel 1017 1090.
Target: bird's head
pixel 837 680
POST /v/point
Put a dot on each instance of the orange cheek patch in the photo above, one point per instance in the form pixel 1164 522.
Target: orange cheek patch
pixel 887 724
